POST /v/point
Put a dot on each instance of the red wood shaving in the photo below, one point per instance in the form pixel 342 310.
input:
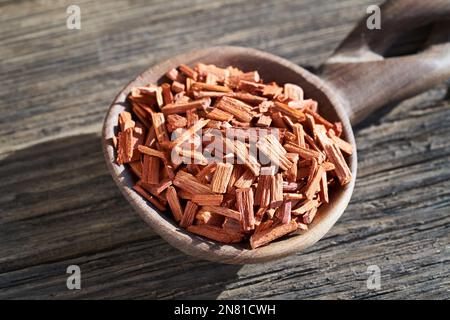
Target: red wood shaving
pixel 227 193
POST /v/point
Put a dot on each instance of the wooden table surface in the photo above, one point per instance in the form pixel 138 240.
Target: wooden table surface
pixel 60 207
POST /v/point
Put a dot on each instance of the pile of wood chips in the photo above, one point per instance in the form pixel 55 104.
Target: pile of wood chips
pixel 233 196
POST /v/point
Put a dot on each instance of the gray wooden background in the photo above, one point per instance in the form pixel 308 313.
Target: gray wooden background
pixel 59 206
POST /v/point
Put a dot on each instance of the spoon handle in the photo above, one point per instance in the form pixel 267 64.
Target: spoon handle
pixel 365 80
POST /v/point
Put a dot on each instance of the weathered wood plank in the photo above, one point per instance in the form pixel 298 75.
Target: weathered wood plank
pixel 83 69
pixel 58 205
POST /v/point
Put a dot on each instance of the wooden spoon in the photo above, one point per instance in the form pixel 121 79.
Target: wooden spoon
pixel 355 81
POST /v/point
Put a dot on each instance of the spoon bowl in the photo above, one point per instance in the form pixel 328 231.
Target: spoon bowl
pixel 271 68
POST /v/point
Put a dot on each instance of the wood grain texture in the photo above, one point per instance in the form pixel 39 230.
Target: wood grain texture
pixel 59 206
